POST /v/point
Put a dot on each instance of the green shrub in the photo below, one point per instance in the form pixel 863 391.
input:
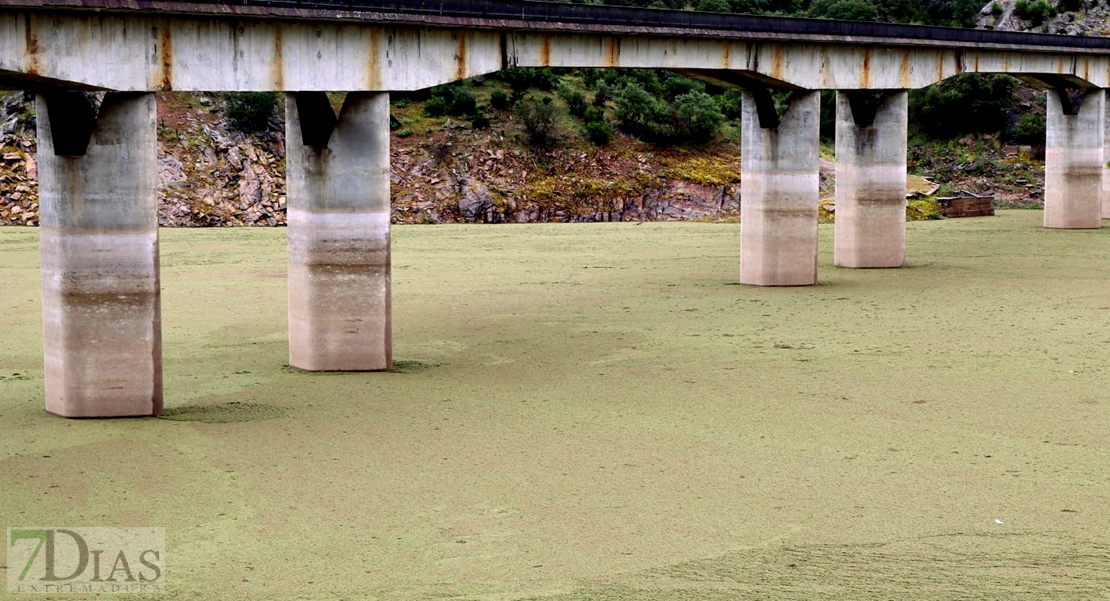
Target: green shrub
pixel 539 120
pixel 1035 11
pixel 731 104
pixel 599 133
pixel 576 100
pixel 436 106
pixel 593 114
pixel 522 79
pixel 637 111
pixel 461 102
pixel 451 99
pixel 713 6
pixel 250 111
pixel 1030 129
pixel 846 10
pixel 480 121
pixel 996 9
pixel 966 103
pixel 694 117
pixel 602 94
pixel 498 100
pixel 677 85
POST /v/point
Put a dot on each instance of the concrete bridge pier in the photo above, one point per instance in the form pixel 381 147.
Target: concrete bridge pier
pixel 101 298
pixel 870 178
pixel 1106 157
pixel 338 212
pixel 1074 159
pixel 778 190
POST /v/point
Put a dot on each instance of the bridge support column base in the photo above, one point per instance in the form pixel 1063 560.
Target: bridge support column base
pixel 778 193
pixel 339 248
pixel 1074 163
pixel 101 297
pixel 871 182
pixel 1106 157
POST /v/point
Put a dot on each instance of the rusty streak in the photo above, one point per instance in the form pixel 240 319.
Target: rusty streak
pixel 279 61
pixel 166 55
pixel 460 58
pixel 374 74
pixel 904 76
pixel 31 41
pixel 865 76
pixel 726 55
pixel 545 51
pixel 613 57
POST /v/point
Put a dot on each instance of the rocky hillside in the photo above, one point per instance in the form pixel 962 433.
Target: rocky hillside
pixel 214 175
pixel 1090 18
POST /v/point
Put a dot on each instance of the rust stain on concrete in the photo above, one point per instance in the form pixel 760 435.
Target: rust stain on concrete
pixel 279 61
pixel 726 55
pixel 460 58
pixel 374 63
pixel 904 72
pixel 613 56
pixel 865 73
pixel 776 62
pixel 31 42
pixel 165 53
pixel 545 51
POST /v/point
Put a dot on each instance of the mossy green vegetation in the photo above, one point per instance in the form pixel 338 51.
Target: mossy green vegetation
pixel 599 412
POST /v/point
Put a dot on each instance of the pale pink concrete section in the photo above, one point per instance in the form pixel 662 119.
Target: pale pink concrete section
pixel 778 195
pixel 1074 163
pixel 339 247
pixel 870 228
pixel 100 282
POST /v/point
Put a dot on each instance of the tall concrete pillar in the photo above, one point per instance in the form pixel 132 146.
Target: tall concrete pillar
pixel 1105 169
pixel 870 179
pixel 101 297
pixel 778 190
pixel 338 203
pixel 1073 161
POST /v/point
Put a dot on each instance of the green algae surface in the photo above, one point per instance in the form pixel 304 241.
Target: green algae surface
pixel 602 412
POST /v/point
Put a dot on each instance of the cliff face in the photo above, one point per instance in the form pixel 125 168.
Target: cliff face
pixel 1091 19
pixel 213 175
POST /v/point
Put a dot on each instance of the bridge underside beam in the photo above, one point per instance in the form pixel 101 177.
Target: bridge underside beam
pixel 778 221
pixel 82 49
pixel 102 328
pixel 871 179
pixel 1074 161
pixel 339 244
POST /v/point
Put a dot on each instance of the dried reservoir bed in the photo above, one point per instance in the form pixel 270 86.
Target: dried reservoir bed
pixel 599 412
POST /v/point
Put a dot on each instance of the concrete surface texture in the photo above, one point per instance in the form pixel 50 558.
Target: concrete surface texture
pixel 597 412
pixel 339 264
pixel 100 265
pixel 55 46
pixel 778 215
pixel 871 181
pixel 1074 162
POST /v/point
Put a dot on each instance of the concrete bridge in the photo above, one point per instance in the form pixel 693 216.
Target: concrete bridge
pixel 98 176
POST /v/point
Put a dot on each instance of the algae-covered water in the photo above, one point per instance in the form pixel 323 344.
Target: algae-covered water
pixel 601 412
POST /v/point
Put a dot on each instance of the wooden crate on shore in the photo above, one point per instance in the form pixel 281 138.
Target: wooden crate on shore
pixel 966 205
